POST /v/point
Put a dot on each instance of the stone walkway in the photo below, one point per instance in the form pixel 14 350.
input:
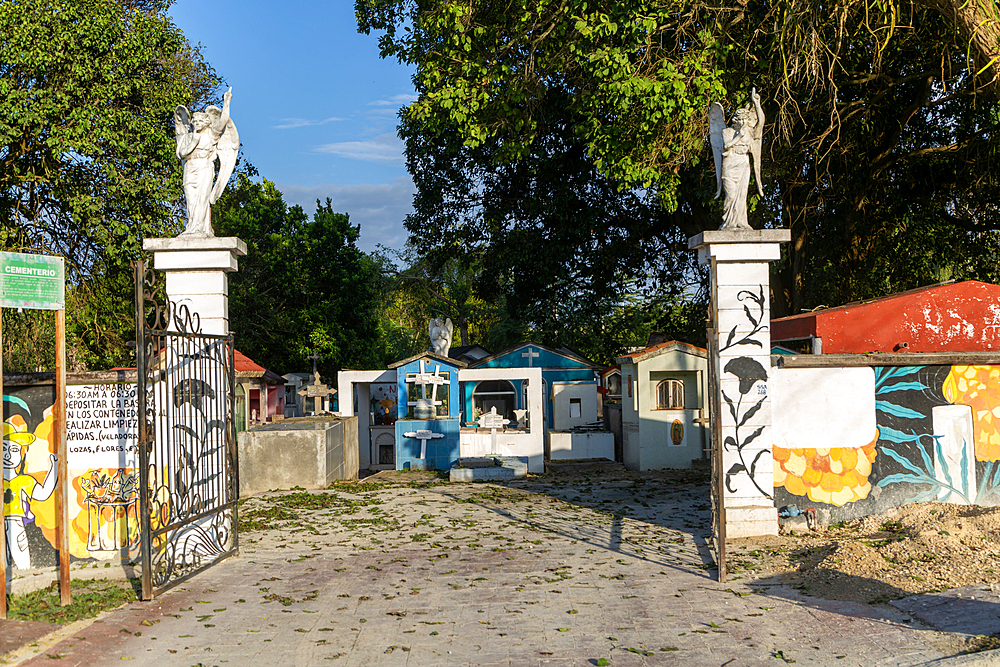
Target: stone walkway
pixel 560 574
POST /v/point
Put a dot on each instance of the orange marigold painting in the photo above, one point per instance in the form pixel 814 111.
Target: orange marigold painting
pixel 835 476
pixel 979 388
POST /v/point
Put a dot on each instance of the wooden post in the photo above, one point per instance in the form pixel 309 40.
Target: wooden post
pixel 3 519
pixel 59 431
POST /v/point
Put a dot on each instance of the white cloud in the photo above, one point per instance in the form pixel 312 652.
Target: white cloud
pixel 289 123
pixel 378 207
pixel 395 100
pixel 383 148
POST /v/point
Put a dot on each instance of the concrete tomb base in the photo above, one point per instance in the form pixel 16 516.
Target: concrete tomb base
pixel 309 453
pixel 484 469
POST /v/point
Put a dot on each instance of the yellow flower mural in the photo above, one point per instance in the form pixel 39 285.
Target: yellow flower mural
pixel 979 388
pixel 836 476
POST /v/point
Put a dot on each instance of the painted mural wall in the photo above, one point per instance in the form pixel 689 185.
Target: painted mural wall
pixel 858 441
pixel 102 433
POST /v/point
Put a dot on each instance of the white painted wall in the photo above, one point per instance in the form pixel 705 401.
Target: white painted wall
pixel 530 444
pixel 346 383
pixel 563 394
pixel 595 445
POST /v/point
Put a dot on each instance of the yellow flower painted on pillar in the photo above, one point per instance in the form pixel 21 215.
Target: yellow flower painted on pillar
pixel 835 476
pixel 979 388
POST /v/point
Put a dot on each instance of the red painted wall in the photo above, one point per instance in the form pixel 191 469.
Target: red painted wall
pixel 958 317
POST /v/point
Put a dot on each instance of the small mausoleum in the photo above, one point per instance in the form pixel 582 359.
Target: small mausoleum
pixel 428 412
pixel 527 403
pixel 950 317
pixel 664 406
pixel 260 393
pixel 571 402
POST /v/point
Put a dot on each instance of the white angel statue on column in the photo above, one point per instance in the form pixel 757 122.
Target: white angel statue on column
pixel 203 137
pixel 737 147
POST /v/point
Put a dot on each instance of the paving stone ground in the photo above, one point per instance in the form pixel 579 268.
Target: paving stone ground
pixel 531 573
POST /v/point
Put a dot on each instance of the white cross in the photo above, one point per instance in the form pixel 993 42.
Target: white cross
pixel 423 435
pixel 492 421
pixel 530 355
pixel 425 379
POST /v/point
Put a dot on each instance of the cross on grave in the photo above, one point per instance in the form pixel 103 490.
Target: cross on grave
pixel 317 390
pixel 423 435
pixel 492 421
pixel 530 354
pixel 424 379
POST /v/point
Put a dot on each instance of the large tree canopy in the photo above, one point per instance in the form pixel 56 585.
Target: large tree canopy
pixel 87 90
pixel 87 164
pixel 882 137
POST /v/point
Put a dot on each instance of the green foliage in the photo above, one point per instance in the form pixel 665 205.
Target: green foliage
pixel 881 158
pixel 638 75
pixel 87 163
pixel 304 285
pixel 551 247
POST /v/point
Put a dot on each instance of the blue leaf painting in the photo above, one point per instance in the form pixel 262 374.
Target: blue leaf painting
pixel 897 410
pixel 903 386
pixel 902 460
pixel 892 435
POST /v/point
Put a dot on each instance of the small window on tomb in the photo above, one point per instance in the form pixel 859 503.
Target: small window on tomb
pixel 670 395
pixel 575 408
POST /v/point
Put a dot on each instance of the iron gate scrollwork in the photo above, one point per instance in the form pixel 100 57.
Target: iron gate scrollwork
pixel 187 439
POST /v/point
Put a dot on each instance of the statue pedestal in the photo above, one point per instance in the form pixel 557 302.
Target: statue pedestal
pixel 197 268
pixel 739 343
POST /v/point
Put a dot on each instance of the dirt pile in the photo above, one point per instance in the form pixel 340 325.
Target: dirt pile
pixel 916 548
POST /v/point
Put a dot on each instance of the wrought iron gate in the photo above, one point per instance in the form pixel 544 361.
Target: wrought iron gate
pixel 188 472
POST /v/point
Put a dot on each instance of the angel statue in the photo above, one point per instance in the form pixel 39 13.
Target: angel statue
pixel 441 331
pixel 203 137
pixel 735 147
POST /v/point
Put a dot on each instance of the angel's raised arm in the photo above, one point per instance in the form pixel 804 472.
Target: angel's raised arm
pixel 220 124
pixel 182 120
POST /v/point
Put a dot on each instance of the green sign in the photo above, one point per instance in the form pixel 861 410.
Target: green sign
pixel 37 282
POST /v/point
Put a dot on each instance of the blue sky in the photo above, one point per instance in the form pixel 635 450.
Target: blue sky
pixel 314 104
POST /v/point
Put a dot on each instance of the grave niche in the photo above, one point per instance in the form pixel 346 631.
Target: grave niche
pixel 494 395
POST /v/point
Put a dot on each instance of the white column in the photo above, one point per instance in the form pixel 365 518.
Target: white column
pixel 740 318
pixel 197 271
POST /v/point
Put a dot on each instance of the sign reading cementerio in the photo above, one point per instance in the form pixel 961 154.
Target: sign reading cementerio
pixel 37 282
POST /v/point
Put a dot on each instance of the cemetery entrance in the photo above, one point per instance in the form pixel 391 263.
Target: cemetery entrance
pixel 187 439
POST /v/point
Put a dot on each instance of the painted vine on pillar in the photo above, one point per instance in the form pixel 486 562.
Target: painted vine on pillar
pixel 758 321
pixel 750 372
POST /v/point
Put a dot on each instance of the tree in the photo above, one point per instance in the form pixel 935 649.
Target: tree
pixel 548 236
pixel 883 116
pixel 87 164
pixel 303 286
pixel 87 91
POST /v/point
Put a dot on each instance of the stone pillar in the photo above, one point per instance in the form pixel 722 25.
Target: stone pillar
pixel 740 346
pixel 197 269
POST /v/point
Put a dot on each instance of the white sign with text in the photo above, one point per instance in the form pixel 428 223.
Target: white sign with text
pixel 102 426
